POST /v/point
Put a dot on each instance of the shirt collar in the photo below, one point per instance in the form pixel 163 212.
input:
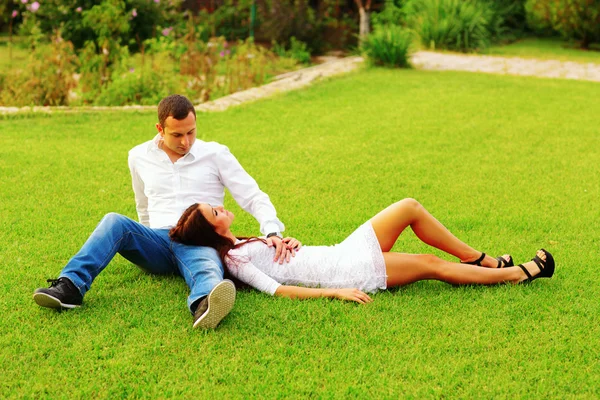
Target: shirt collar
pixel 194 151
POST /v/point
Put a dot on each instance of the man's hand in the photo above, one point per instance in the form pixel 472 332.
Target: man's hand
pixel 284 248
pixel 292 244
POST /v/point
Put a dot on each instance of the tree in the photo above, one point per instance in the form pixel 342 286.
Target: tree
pixel 364 8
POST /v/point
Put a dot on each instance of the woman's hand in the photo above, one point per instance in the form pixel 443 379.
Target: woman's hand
pixel 292 244
pixel 352 295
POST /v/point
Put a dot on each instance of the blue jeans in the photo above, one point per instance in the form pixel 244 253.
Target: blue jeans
pixel 150 249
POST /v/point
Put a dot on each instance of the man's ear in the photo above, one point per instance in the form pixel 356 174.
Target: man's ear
pixel 159 128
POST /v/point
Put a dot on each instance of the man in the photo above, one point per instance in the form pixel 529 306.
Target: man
pixel 170 173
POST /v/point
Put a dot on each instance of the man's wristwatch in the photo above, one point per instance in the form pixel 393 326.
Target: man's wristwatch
pixel 273 234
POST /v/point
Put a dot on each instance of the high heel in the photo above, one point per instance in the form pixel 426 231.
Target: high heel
pixel 546 267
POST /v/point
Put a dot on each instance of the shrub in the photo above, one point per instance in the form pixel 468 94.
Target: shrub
pixel 320 24
pixel 145 86
pixel 298 51
pixel 46 80
pixel 389 46
pixel 392 14
pixel 573 19
pixel 460 25
pixel 508 21
pixel 141 16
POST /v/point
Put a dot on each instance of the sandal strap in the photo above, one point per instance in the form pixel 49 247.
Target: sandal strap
pixel 540 263
pixel 502 263
pixel 476 262
pixel 526 272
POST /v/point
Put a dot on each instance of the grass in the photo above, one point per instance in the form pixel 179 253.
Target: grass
pixel 546 49
pixel 507 163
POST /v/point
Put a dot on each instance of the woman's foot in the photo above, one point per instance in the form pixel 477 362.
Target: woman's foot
pixel 490 262
pixel 541 266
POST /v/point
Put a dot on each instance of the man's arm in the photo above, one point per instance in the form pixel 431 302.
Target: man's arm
pixel 247 194
pixel 141 201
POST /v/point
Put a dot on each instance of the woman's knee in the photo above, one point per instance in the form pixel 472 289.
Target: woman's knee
pixel 433 265
pixel 409 205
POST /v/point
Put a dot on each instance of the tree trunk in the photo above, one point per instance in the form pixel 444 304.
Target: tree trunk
pixel 364 27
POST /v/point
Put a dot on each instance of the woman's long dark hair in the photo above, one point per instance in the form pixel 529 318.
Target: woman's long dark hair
pixel 195 230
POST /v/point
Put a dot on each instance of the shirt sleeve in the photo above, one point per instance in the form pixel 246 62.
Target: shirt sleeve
pixel 240 265
pixel 246 192
pixel 141 201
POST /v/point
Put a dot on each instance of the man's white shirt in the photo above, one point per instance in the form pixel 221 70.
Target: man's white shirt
pixel 163 189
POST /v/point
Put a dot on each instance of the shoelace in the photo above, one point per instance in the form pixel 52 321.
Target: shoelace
pixel 52 282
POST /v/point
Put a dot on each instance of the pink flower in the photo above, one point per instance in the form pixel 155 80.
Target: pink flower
pixel 222 54
pixel 14 14
pixel 157 1
pixel 79 9
pixel 131 70
pixel 166 31
pixel 24 1
pixel 134 13
pixel 35 6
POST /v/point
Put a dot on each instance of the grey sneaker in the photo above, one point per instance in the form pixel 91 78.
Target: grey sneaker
pixel 62 293
pixel 214 307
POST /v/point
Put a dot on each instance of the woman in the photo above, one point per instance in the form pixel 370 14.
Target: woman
pixel 361 263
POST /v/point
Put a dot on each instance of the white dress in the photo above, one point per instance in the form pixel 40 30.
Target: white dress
pixel 357 262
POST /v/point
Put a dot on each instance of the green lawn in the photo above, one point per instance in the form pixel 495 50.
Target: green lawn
pixel 507 163
pixel 546 49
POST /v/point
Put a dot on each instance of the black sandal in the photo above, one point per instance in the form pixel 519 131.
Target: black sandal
pixel 546 267
pixel 502 263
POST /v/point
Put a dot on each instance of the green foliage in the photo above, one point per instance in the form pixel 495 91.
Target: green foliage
pixel 389 46
pixel 145 86
pixel 506 20
pixel 298 51
pixel 97 68
pixel 459 25
pixel 573 19
pixel 320 27
pixel 231 19
pixel 392 14
pixel 129 21
pixel 47 79
pixel 509 20
pixel 187 64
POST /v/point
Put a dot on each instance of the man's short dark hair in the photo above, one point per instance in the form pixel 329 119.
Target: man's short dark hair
pixel 176 106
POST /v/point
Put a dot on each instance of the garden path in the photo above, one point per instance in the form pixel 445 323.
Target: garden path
pixel 425 60
pixel 429 60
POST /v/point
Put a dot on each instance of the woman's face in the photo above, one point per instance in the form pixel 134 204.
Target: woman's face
pixel 218 216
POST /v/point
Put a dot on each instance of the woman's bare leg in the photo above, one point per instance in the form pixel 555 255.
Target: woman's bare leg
pixel 403 269
pixel 391 222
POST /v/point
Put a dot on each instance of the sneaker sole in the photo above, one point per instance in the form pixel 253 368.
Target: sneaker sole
pixel 220 303
pixel 45 300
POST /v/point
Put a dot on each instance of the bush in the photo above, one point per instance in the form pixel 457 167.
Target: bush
pixel 138 86
pixel 322 24
pixel 573 19
pixel 141 16
pixel 297 51
pixel 46 80
pixel 392 14
pixel 389 46
pixel 459 25
pixel 509 21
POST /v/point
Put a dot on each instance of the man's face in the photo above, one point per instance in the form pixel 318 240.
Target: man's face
pixel 178 135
